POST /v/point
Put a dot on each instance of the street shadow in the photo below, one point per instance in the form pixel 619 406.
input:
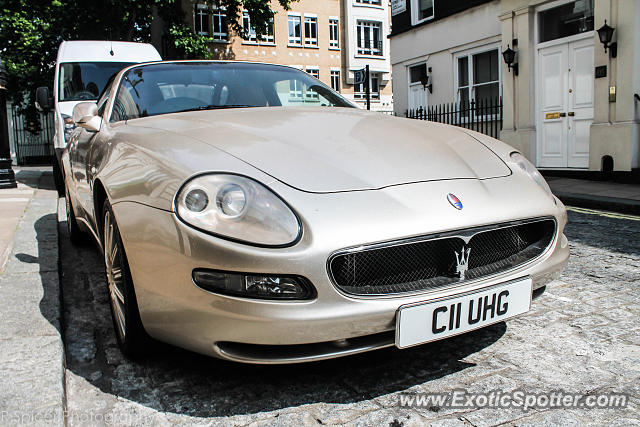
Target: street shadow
pixel 36 178
pixel 617 233
pixel 178 381
pixel 47 265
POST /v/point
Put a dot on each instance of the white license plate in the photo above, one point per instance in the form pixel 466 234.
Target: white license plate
pixel 433 320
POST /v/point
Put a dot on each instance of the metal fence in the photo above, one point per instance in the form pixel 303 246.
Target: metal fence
pixel 32 137
pixel 484 116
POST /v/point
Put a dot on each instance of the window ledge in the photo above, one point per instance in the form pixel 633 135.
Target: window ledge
pixel 420 21
pixel 371 6
pixel 381 57
pixel 311 47
pixel 294 45
pixel 334 48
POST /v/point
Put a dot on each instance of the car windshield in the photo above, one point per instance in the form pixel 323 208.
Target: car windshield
pixel 84 81
pixel 153 89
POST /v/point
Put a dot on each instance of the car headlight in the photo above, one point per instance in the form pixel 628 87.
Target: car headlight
pixel 237 208
pixel 68 126
pixel 531 170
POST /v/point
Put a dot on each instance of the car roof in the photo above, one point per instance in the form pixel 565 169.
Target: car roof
pixel 101 51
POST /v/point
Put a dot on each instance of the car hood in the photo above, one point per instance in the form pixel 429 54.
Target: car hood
pixel 325 150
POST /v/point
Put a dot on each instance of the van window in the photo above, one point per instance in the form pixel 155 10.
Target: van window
pixel 84 81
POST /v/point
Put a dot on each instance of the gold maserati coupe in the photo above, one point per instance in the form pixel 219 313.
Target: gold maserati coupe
pixel 249 212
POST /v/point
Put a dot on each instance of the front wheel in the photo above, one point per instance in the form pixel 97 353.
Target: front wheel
pixel 130 333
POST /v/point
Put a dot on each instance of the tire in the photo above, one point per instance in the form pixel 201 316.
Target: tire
pixel 130 334
pixel 58 179
pixel 75 235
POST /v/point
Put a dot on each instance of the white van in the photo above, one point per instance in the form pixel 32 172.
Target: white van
pixel 82 70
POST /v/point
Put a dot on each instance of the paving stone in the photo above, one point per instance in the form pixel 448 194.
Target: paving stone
pixel 581 336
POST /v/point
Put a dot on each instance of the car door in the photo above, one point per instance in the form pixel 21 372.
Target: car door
pixel 81 163
pixel 82 169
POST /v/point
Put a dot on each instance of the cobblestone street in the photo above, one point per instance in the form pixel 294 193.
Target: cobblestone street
pixel 581 336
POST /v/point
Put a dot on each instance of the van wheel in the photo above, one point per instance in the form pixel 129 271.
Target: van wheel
pixel 75 235
pixel 131 336
pixel 58 180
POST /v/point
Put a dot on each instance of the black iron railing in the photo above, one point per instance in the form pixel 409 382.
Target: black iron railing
pixel 33 137
pixel 484 115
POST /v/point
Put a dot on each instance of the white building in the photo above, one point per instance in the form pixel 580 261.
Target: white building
pixel 571 106
pixel 366 42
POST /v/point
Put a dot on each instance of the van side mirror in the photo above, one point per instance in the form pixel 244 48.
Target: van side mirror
pixel 44 103
pixel 85 115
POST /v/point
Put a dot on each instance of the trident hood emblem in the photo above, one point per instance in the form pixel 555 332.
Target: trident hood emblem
pixel 462 261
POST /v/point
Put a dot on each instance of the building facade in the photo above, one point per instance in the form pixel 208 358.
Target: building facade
pixel 314 36
pixel 366 33
pixel 568 105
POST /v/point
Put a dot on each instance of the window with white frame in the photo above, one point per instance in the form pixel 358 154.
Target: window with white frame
pixel 310 31
pixel 314 72
pixel 360 90
pixel 295 30
pixel 249 33
pixel 335 80
pixel 269 37
pixel 220 26
pixel 334 33
pixel 369 37
pixel 201 19
pixel 422 10
pixel 478 76
pixel 374 2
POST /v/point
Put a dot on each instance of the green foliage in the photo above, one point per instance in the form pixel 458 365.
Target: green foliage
pixel 32 30
pixel 188 44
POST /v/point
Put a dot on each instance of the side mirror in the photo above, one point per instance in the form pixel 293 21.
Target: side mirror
pixel 43 99
pixel 85 115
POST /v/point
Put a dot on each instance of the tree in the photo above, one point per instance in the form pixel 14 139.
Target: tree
pixel 32 30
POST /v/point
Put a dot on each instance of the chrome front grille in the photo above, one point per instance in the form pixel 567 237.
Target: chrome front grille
pixel 432 262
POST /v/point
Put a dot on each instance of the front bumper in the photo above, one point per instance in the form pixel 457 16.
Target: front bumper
pixel 163 252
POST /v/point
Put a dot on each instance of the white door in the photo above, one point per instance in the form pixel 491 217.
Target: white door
pixel 565 104
pixel 580 113
pixel 417 97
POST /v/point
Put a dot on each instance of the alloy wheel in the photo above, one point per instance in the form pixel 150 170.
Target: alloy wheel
pixel 115 278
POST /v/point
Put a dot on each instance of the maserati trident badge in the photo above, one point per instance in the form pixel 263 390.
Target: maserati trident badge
pixel 455 202
pixel 462 261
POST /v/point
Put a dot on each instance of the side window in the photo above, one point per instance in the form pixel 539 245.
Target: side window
pixel 124 106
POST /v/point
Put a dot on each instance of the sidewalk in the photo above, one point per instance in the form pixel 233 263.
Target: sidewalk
pixel 606 195
pixel 31 346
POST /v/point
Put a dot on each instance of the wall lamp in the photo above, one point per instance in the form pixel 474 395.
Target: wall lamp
pixel 426 81
pixel 509 56
pixel 605 33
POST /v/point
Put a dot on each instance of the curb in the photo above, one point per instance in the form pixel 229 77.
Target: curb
pixel 32 359
pixel 613 204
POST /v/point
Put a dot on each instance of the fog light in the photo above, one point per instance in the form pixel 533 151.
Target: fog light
pixel 253 286
pixel 270 285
